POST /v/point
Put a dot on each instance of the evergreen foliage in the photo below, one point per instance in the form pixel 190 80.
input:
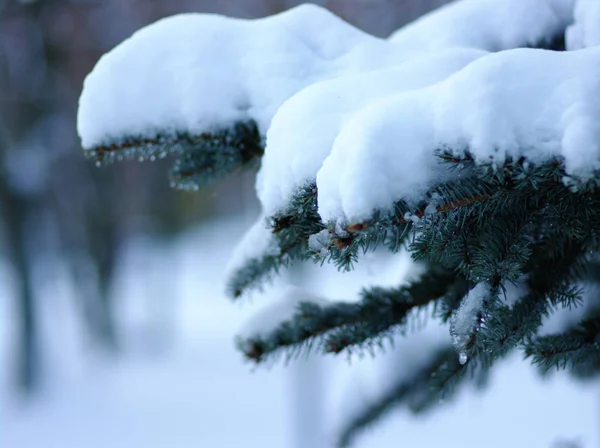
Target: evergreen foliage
pixel 200 159
pixel 430 384
pixel 344 326
pixel 496 224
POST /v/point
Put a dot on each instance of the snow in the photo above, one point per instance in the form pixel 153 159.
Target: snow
pixel 199 392
pixel 207 71
pixel 491 25
pixel 524 102
pixel 204 72
pixel 305 127
pixel 284 308
pixel 585 31
pixel 464 320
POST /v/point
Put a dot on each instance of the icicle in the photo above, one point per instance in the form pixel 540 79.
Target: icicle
pixel 319 242
pixel 465 320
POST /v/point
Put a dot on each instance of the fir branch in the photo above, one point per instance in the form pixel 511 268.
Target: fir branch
pixel 504 251
pixel 130 148
pixel 203 158
pixel 444 382
pixel 299 219
pixel 255 272
pixel 549 283
pixel 578 349
pixel 388 229
pixel 383 319
pixel 291 230
pixel 493 236
pixel 428 385
pixel 218 156
pixel 448 224
pixel 342 325
pixel 478 196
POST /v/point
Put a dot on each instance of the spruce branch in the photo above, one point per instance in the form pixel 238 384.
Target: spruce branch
pixel 493 225
pixel 291 229
pixel 549 283
pixel 342 325
pixel 418 392
pixel 202 158
pixel 457 221
pixel 379 320
pixel 578 349
pixel 218 156
pixel 255 272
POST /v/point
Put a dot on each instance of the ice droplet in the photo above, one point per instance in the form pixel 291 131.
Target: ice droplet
pixel 98 163
pixel 462 358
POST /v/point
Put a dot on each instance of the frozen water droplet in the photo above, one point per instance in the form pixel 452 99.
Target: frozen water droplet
pixel 98 163
pixel 141 158
pixel 152 158
pixel 462 358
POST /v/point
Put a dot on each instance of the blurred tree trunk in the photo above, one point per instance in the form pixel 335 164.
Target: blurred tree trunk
pixel 88 233
pixel 15 212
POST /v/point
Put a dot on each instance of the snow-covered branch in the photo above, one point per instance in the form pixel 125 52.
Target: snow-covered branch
pixel 339 326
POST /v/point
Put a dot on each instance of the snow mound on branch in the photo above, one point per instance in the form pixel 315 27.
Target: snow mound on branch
pixel 491 25
pixel 304 128
pixel 199 72
pixel 258 242
pixel 585 32
pixel 524 102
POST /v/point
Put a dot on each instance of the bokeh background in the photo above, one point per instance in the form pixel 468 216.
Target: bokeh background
pixel 114 331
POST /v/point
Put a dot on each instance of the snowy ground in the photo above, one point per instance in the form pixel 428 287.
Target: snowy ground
pixel 182 384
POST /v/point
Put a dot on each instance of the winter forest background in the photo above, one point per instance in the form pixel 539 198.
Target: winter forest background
pixel 114 331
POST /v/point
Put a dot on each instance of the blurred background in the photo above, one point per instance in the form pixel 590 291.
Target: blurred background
pixel 114 330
